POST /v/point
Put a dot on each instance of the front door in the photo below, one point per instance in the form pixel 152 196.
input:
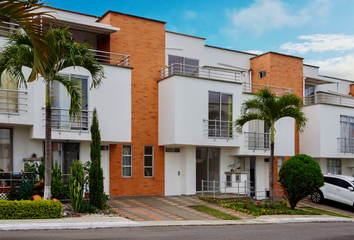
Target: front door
pixel 71 153
pixel 172 174
pixel 105 167
pixel 208 168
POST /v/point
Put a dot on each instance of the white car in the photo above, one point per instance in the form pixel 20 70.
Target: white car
pixel 337 188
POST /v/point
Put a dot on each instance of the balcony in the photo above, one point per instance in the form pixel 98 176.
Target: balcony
pixel 254 87
pixel 329 98
pixel 201 72
pixel 61 120
pixel 257 141
pixel 346 145
pixel 111 58
pixel 217 129
pixel 7 28
pixel 12 101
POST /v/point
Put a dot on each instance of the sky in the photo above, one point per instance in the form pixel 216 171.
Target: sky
pixel 320 31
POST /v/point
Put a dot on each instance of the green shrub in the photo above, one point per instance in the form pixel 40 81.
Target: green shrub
pixel 25 209
pixel 23 193
pixel 76 185
pixel 57 182
pixel 96 172
pixel 87 208
pixel 300 176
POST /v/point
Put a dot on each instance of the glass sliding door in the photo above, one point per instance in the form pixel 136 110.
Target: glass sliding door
pixel 6 150
pixel 207 168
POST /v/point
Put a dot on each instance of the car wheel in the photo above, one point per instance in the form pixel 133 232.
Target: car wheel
pixel 317 197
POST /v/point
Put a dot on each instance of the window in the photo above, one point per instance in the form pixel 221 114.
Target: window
pixel 280 163
pixel 182 65
pixel 6 149
pixel 61 105
pixel 172 150
pixel 344 184
pixel 220 115
pixel 9 95
pixel 148 161
pixel 127 161
pixel 346 143
pixel 330 180
pixel 262 74
pixel 334 166
pixel 309 94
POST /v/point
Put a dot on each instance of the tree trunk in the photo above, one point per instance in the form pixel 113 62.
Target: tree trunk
pixel 271 168
pixel 48 143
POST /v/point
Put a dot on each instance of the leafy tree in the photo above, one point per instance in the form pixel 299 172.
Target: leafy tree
pixel 19 53
pixel 270 110
pixel 96 172
pixel 300 176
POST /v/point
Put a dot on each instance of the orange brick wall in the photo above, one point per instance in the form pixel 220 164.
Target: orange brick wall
pixel 144 41
pixel 352 89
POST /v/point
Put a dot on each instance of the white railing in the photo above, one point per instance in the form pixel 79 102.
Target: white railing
pixel 346 145
pixel 329 98
pixel 61 120
pixel 202 72
pixel 10 179
pixel 255 87
pixel 7 28
pixel 257 141
pixel 13 101
pixel 110 57
pixel 217 129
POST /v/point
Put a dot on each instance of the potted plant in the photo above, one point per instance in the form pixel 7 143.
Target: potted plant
pixel 232 167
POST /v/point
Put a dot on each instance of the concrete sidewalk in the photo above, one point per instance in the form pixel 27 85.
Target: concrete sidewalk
pixel 113 222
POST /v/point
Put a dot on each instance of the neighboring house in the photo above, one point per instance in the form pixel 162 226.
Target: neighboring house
pixel 167 108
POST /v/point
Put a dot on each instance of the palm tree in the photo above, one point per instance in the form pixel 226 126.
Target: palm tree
pixel 270 110
pixel 19 52
pixel 30 18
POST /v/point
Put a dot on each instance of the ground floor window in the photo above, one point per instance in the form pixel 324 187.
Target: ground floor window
pixel 5 150
pixel 280 163
pixel 127 161
pixel 334 166
pixel 148 161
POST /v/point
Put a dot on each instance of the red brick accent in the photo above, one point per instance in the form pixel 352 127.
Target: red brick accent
pixel 144 41
pixel 282 71
pixel 352 90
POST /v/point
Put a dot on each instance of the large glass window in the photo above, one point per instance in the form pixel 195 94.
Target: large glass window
pixel 8 94
pixel 220 115
pixel 334 166
pixel 347 134
pixel 182 65
pixel 309 94
pixel 127 161
pixel 5 150
pixel 148 161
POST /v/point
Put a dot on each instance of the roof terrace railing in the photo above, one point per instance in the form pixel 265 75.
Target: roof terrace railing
pixel 111 58
pixel 255 87
pixel 329 98
pixel 13 101
pixel 6 28
pixel 202 72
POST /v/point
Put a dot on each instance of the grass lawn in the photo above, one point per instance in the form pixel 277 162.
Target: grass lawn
pixel 265 210
pixel 215 213
pixel 325 212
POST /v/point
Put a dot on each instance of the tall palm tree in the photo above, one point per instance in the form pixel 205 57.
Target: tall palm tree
pixel 19 52
pixel 270 110
pixel 29 16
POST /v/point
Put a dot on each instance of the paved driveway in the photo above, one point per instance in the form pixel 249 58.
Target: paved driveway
pixel 159 208
pixel 328 206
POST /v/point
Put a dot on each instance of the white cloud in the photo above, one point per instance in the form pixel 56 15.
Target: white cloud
pixel 320 43
pixel 190 15
pixel 265 15
pixel 341 67
pixel 255 51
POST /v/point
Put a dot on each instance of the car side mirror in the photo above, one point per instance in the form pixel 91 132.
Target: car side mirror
pixel 351 188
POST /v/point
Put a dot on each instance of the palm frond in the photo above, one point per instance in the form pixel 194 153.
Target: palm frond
pixel 243 119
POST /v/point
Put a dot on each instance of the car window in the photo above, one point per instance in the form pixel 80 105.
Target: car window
pixel 344 184
pixel 331 180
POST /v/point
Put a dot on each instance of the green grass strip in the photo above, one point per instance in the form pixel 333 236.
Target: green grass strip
pixel 215 213
pixel 325 212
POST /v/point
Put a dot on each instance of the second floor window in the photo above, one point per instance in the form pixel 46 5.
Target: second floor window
pixel 262 74
pixel 183 66
pixel 220 120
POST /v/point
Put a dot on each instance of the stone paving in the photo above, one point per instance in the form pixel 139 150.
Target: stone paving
pixel 159 208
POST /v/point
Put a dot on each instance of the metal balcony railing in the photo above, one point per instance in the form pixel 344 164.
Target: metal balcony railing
pixel 329 98
pixel 346 145
pixel 7 28
pixel 217 129
pixel 257 141
pixel 254 87
pixel 13 101
pixel 111 58
pixel 9 179
pixel 202 72
pixel 61 120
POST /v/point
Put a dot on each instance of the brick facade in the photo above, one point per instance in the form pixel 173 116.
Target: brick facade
pixel 144 41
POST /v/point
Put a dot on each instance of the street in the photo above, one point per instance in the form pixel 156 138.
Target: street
pixel 323 231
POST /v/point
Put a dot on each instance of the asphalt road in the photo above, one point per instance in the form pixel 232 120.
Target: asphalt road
pixel 323 231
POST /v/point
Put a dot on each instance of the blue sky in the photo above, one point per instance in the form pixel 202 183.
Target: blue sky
pixel 321 31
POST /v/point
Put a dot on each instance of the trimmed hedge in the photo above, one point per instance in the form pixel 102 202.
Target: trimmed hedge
pixel 25 209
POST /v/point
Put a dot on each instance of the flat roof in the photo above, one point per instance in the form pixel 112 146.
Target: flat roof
pixel 231 50
pixel 278 54
pixel 70 11
pixel 187 35
pixel 305 64
pixel 111 11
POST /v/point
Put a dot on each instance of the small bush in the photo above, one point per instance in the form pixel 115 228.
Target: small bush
pixel 25 209
pixel 300 176
pixel 23 193
pixel 87 208
pixel 57 182
pixel 76 184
